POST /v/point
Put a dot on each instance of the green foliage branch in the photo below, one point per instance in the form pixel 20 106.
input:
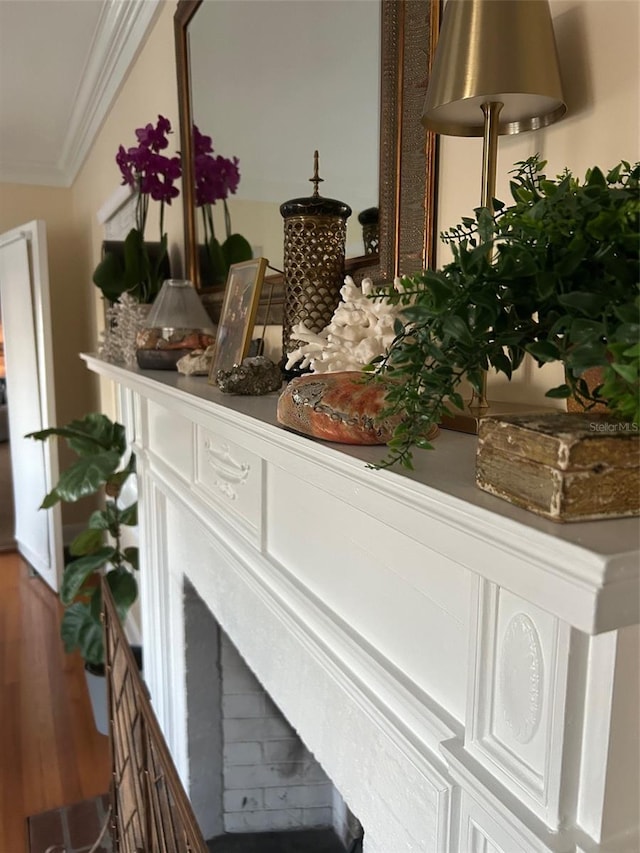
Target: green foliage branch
pixel 101 447
pixel 555 275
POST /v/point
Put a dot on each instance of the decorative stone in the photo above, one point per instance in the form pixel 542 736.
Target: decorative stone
pixel 566 467
pixel 342 407
pixel 162 349
pixel 173 339
pixel 256 375
pixel 197 362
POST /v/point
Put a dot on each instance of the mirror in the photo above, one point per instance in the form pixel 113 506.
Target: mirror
pixel 406 184
pixel 312 83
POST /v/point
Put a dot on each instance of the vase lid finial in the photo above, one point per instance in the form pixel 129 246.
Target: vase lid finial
pixel 315 204
pixel 316 179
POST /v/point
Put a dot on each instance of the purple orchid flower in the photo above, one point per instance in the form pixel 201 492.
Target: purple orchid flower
pixel 143 167
pixel 152 175
pixel 216 178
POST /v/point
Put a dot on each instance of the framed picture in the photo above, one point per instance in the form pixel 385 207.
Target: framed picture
pixel 238 314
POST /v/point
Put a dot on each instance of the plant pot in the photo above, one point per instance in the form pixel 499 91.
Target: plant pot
pixel 97 687
pixel 593 377
pixel 207 277
pixel 116 247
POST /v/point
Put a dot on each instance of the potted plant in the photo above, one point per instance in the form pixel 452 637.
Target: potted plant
pixel 555 275
pixel 140 268
pixel 101 447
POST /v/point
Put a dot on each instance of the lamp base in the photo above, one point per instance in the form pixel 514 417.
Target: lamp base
pixel 468 419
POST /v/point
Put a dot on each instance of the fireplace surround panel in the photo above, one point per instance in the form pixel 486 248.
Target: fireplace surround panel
pixel 463 671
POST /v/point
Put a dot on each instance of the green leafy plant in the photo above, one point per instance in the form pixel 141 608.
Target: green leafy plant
pixel 555 275
pixel 101 447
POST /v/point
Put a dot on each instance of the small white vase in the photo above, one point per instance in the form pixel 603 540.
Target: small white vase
pixel 97 687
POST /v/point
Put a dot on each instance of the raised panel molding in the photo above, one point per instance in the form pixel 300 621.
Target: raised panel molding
pixel 231 478
pixel 479 843
pixel 480 832
pixel 154 593
pixel 517 702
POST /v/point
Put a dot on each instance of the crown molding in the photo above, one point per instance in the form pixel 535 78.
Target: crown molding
pixel 120 34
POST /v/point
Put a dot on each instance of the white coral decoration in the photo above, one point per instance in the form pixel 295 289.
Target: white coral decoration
pixel 123 319
pixel 360 330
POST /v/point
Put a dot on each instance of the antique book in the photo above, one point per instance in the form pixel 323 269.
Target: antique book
pixel 564 466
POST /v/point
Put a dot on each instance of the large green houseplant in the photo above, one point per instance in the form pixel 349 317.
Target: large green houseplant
pixel 555 275
pixel 102 465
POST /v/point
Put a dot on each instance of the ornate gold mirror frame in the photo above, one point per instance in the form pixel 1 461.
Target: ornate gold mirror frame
pixel 408 153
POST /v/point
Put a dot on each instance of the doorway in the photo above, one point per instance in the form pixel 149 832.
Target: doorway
pixel 7 541
pixel 29 395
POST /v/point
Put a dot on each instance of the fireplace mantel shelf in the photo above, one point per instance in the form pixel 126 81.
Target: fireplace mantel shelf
pixel 465 672
pixel 588 574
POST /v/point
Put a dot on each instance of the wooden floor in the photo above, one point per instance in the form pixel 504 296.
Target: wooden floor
pixel 50 753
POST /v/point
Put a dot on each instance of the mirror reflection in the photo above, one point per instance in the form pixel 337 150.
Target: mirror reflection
pixel 273 82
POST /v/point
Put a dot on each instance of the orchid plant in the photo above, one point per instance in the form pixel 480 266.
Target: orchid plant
pixel 216 178
pixel 141 270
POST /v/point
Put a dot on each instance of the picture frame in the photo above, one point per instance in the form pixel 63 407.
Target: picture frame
pixel 238 314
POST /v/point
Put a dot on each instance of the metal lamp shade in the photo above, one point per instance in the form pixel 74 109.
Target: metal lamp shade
pixel 494 51
pixel 495 72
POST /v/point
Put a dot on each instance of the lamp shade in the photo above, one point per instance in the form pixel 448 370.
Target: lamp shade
pixel 494 51
pixel 178 306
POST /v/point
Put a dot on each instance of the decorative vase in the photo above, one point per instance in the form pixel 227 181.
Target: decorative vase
pixel 370 230
pixel 123 321
pixel 153 250
pixel 207 277
pixel 315 231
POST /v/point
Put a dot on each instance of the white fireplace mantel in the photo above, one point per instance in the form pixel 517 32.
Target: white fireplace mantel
pixel 465 671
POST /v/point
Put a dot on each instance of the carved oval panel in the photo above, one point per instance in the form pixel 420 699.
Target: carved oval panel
pixel 521 678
